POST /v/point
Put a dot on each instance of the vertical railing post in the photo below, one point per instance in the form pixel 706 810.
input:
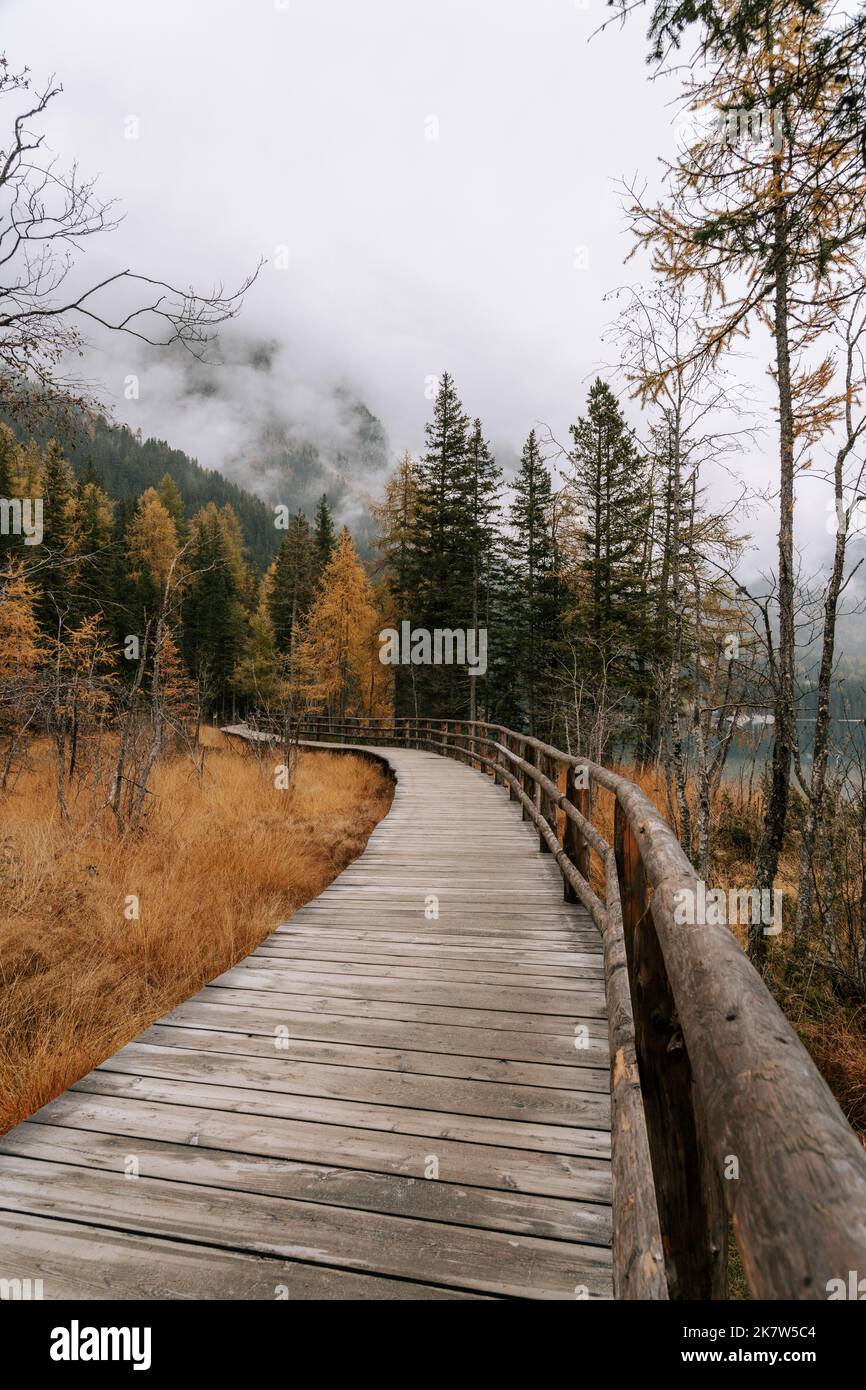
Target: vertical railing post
pixel 499 756
pixel 497 759
pixel 509 744
pixel 573 840
pixel 528 755
pixel 548 768
pixel 690 1202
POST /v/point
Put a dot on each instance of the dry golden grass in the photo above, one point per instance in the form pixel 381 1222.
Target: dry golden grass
pixel 217 865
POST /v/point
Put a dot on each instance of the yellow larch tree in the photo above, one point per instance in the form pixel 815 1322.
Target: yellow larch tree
pixel 151 541
pixel 338 657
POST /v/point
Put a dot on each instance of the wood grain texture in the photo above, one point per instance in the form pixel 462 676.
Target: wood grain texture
pixel 403 1093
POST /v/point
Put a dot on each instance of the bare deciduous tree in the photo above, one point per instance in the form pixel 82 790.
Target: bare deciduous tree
pixel 46 213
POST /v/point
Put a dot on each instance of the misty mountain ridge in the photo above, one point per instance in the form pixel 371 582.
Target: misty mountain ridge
pixel 282 467
pixel 267 438
pixel 261 418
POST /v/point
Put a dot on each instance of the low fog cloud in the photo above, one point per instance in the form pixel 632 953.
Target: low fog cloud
pixel 259 418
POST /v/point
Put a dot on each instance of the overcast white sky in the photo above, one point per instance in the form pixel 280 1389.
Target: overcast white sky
pixel 308 124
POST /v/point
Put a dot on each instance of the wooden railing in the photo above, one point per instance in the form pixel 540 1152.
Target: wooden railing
pixel 718 1112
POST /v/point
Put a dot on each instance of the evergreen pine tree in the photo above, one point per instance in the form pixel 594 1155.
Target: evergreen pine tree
pixel 213 614
pixel 94 591
pixel 171 499
pixel 484 486
pixel 612 495
pixel 292 582
pixel 441 558
pixel 56 576
pixel 90 474
pixel 257 674
pixel 535 597
pixel 325 537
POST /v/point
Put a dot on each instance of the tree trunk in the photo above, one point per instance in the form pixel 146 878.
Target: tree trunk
pixel 772 838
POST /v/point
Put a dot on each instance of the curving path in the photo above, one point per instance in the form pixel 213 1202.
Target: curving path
pixel 377 1103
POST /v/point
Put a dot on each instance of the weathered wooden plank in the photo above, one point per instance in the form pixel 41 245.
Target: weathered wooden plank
pixel 427 1199
pixel 488 1261
pixel 437 1039
pixel 523 998
pixel 578 1178
pixel 594 1142
pixel 351 928
pixel 564 965
pixel 321 970
pixel 448 930
pixel 270 995
pixel 279 1074
pixel 275 1039
pixel 77 1261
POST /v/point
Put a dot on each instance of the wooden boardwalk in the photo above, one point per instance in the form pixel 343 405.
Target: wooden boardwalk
pixel 378 1103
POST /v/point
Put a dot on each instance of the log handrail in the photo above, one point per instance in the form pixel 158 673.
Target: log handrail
pixel 718 1112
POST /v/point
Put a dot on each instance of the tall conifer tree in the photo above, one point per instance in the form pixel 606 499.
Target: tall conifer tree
pixel 213 614
pixel 324 538
pixel 441 551
pixel 292 582
pixel 484 487
pixel 610 490
pixel 55 575
pixel 535 602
